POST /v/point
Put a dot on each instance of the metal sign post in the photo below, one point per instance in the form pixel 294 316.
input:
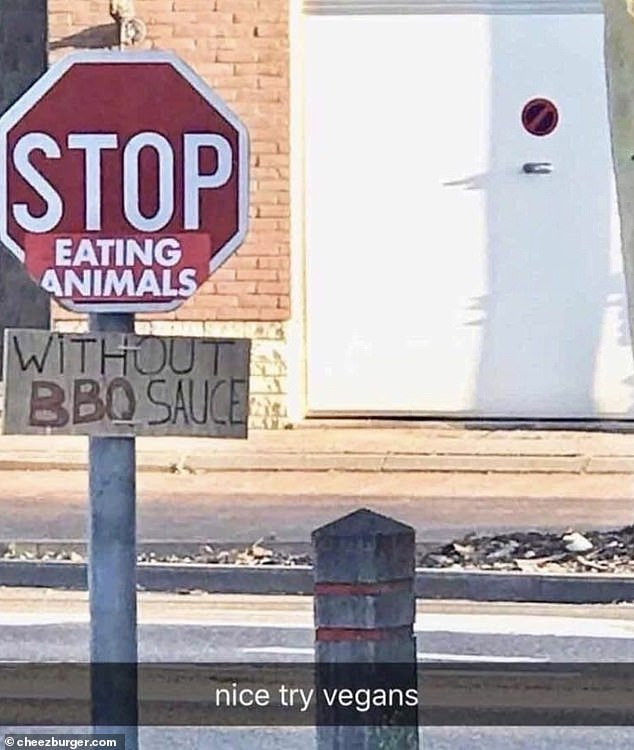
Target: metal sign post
pixel 112 570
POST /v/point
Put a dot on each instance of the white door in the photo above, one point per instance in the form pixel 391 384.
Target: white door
pixel 440 277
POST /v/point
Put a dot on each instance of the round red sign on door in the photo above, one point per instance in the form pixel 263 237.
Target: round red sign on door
pixel 540 117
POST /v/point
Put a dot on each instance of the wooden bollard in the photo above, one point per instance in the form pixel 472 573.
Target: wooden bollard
pixel 365 607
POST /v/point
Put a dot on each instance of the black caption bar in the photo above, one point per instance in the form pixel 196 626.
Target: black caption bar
pixel 292 694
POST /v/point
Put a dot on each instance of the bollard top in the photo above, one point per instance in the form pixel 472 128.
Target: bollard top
pixel 362 523
pixel 364 546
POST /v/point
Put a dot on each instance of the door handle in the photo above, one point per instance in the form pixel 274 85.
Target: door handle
pixel 537 167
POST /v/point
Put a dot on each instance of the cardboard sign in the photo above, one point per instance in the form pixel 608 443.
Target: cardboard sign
pixel 125 384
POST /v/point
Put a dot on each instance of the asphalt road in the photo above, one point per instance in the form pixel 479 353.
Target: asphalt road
pixel 244 506
pixel 436 738
pixel 53 626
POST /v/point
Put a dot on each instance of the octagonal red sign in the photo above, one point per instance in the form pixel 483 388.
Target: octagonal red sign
pixel 125 181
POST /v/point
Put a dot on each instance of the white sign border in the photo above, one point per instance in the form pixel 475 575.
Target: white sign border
pixel 33 95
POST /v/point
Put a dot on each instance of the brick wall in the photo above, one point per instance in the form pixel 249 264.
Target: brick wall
pixel 240 47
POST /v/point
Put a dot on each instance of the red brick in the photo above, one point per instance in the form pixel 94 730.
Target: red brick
pixel 265 147
pixel 269 287
pixel 236 287
pixel 180 5
pixel 272 313
pixel 257 300
pixel 240 56
pixel 267 197
pixel 224 274
pixel 280 211
pixel 229 313
pixel 259 250
pixel 240 261
pixel 275 30
pixel 274 262
pixel 251 6
pixel 272 160
pixel 258 274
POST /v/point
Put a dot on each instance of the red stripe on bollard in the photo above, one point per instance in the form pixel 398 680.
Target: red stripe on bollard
pixel 361 589
pixel 339 635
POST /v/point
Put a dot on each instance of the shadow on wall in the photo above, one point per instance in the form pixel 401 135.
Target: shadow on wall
pixel 22 61
pixel 548 260
pixel 97 37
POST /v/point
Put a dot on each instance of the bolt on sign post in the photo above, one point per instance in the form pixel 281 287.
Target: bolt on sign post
pixel 124 184
pixel 619 61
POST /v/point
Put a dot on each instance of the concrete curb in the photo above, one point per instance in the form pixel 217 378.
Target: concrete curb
pixel 490 586
pixel 482 586
pixel 470 463
pixel 73 463
pixel 217 579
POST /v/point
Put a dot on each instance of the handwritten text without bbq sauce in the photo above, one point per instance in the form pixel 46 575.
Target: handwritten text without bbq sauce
pixel 184 399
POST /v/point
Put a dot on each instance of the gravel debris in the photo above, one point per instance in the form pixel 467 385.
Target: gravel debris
pixel 253 554
pixel 577 542
pixel 534 552
pixel 525 552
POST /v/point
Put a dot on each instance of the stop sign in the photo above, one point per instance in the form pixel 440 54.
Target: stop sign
pixel 125 181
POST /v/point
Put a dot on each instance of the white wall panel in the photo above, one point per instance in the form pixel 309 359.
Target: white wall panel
pixel 441 279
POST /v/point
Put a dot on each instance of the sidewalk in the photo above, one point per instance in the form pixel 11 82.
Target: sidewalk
pixel 424 448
